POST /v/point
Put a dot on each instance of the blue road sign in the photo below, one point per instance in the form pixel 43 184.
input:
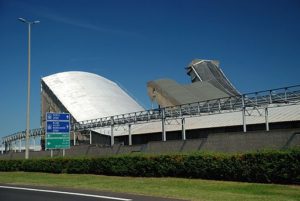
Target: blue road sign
pixel 58 117
pixel 57 131
pixel 58 127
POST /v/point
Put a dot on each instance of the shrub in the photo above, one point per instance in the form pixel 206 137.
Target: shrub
pixel 265 166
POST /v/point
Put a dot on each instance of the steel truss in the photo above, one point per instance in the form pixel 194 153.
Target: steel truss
pixel 244 103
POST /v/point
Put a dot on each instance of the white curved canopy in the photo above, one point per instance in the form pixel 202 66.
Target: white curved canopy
pixel 89 96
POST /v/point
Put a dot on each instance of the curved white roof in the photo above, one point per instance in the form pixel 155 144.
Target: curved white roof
pixel 89 96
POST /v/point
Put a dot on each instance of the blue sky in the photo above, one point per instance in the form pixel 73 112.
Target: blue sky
pixel 135 41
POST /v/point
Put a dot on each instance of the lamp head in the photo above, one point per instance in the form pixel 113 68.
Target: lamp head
pixel 25 21
pixel 22 19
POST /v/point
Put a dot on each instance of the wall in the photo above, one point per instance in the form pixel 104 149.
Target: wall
pixel 219 142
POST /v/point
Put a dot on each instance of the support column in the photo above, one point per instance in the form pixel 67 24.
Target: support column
pixel 90 136
pixel 129 135
pixel 267 118
pixel 183 128
pixel 20 145
pixel 244 115
pixel 74 138
pixel 112 139
pixel 244 121
pixel 164 137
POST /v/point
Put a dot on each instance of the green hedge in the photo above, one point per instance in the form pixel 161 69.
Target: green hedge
pixel 266 167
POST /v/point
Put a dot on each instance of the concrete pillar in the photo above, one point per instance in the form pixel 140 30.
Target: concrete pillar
pixel 74 138
pixel 129 135
pixel 90 137
pixel 20 145
pixel 244 120
pixel 267 119
pixel 183 128
pixel 244 114
pixel 112 139
pixel 164 137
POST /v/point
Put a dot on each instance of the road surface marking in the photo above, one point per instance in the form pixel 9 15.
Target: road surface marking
pixel 66 193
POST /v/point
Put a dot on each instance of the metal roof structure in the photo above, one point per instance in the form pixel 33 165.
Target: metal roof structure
pixel 208 82
pixel 88 96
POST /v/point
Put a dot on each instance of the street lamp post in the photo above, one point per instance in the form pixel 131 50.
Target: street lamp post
pixel 28 88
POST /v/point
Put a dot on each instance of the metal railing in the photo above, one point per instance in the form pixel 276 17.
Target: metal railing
pixel 261 99
pixel 250 101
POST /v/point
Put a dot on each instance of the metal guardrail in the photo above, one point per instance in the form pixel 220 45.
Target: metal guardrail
pixel 250 101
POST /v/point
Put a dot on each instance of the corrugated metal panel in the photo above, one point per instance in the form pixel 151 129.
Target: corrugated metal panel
pixel 89 96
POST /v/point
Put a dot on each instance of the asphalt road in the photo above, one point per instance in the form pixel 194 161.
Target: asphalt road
pixel 15 193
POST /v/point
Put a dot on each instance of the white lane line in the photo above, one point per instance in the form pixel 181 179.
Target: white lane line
pixel 66 193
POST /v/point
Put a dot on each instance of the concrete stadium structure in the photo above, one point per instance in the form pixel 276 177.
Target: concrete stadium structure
pixel 208 114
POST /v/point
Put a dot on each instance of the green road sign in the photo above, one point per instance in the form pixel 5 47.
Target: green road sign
pixel 58 143
pixel 58 136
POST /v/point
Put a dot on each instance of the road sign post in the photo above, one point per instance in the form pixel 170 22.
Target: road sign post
pixel 57 131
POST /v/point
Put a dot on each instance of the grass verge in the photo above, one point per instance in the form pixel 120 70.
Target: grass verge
pixel 189 189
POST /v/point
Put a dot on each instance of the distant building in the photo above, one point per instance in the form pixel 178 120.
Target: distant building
pixel 207 114
pixel 208 82
pixel 85 96
pixel 88 96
